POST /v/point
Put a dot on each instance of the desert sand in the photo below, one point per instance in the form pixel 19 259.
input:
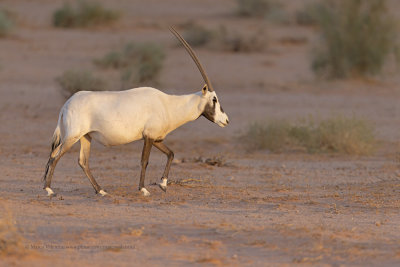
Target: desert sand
pixel 256 209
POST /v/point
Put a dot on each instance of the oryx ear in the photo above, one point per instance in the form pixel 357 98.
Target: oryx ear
pixel 205 89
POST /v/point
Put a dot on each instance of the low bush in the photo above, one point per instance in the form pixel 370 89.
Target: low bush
pixel 197 35
pixel 73 81
pixel 357 38
pixel 307 16
pixel 6 23
pixel 224 39
pixel 237 42
pixel 138 63
pixel 334 135
pixel 254 8
pixel 83 14
pixel 113 59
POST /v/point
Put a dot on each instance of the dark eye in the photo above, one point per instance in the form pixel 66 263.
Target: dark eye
pixel 215 99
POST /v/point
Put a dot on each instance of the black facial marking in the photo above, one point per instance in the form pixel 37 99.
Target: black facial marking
pixel 209 111
pixel 222 110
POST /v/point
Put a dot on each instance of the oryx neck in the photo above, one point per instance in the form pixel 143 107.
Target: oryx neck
pixel 184 108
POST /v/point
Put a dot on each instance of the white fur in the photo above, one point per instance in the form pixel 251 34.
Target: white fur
pixel 120 117
pixel 49 191
pixel 164 182
pixel 103 193
pixel 145 192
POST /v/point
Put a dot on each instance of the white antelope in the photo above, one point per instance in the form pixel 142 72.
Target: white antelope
pixel 120 117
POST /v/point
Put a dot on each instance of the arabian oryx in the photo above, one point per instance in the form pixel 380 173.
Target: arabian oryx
pixel 120 117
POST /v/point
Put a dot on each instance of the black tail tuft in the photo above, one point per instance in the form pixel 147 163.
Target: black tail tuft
pixel 54 145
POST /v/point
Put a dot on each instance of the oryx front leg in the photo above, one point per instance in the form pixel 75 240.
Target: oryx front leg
pixel 84 163
pixel 145 161
pixel 170 155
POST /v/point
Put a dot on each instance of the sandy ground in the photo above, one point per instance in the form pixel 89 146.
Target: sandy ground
pixel 258 209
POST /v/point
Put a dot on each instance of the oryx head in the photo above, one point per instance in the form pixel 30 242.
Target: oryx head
pixel 212 109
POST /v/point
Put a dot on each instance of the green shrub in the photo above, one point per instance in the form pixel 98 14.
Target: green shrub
pixel 357 38
pixel 253 8
pixel 139 63
pixel 83 14
pixel 73 81
pixel 6 23
pixel 335 135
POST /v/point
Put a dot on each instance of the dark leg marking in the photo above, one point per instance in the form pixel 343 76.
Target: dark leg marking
pixel 51 164
pixel 170 155
pixel 145 159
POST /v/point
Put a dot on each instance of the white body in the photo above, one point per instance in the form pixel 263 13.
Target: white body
pixel 120 117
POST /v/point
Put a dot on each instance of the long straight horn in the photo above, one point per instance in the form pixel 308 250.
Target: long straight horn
pixel 194 57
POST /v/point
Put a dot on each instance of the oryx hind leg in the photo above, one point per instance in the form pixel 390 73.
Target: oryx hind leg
pixel 170 155
pixel 84 163
pixel 55 156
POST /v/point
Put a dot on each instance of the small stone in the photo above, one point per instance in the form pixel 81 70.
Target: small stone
pixel 177 161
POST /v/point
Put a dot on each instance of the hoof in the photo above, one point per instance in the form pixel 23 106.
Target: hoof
pixel 50 192
pixel 103 193
pixel 163 188
pixel 145 192
pixel 163 185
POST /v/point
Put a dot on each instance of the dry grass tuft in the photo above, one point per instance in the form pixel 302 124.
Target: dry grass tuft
pixel 218 161
pixel 184 182
pixel 83 14
pixel 334 135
